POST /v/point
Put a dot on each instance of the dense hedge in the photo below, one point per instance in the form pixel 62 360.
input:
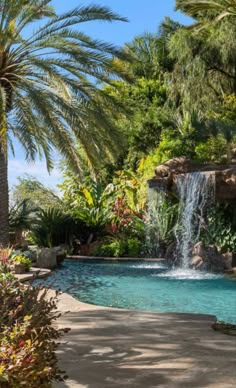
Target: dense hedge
pixel 28 339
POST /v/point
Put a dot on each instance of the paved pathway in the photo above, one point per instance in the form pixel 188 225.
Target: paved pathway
pixel 111 348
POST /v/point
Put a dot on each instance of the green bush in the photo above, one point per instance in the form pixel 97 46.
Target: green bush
pixel 133 247
pixel 119 248
pixel 27 336
pixel 6 276
pixel 52 228
pixel 22 259
pixel 213 150
pixel 220 228
pixel 114 249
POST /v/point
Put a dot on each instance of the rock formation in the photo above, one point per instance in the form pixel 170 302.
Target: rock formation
pixel 224 176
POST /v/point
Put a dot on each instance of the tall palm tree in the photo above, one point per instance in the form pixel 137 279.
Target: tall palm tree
pixel 221 8
pixel 49 86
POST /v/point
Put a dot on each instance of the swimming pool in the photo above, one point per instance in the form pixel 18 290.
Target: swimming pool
pixel 147 286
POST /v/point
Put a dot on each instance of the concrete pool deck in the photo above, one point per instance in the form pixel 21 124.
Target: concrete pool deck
pixel 113 348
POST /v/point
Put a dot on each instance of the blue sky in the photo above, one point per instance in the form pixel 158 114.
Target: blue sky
pixel 143 16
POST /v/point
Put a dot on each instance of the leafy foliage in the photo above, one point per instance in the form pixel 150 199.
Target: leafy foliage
pixel 52 228
pixel 24 260
pixel 5 259
pixel 219 8
pixel 89 202
pixel 161 219
pixel 220 228
pixel 213 150
pixel 130 247
pixel 48 82
pixel 27 336
pixel 29 192
pixel 22 216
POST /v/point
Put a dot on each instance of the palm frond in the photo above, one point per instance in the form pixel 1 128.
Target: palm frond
pixel 220 9
pixel 50 83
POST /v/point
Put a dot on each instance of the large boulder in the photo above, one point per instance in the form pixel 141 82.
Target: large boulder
pixel 47 258
pixel 210 259
pixel 197 262
pixel 198 249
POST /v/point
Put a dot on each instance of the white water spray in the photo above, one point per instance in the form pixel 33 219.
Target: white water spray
pixel 153 223
pixel 196 191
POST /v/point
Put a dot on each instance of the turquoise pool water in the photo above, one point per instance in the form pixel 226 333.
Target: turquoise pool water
pixel 147 286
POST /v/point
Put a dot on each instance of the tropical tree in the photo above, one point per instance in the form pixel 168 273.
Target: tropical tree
pixel 31 189
pixel 145 99
pixel 22 216
pixel 49 92
pixel 220 8
pixel 150 52
pixel 206 57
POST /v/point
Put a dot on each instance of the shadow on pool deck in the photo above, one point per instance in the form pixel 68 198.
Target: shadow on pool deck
pixel 119 348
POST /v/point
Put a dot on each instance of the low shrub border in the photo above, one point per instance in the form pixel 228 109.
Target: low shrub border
pixel 28 338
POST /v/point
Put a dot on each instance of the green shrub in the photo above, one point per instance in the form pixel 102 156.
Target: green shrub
pixel 27 336
pixel 220 228
pixel 22 259
pixel 213 150
pixel 114 249
pixel 119 248
pixel 133 247
pixel 52 228
pixel 6 276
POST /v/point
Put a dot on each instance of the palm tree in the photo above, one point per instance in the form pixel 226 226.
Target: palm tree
pixel 150 51
pixel 220 8
pixel 49 86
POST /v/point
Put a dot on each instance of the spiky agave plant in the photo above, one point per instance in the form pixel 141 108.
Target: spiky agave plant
pixel 49 93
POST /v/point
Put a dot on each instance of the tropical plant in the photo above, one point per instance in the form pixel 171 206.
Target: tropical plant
pixel 150 52
pixel 28 338
pixel 48 93
pixel 122 247
pixel 24 260
pixel 161 221
pixel 220 8
pixel 22 216
pixel 89 201
pixel 212 150
pixel 52 228
pixel 29 188
pixel 203 58
pixel 5 259
pixel 220 228
pixel 113 249
pixel 145 99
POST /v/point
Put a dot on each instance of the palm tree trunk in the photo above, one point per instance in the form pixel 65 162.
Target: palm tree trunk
pixel 4 225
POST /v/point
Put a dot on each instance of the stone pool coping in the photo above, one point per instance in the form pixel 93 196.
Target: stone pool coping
pixel 88 258
pixel 110 347
pixel 33 274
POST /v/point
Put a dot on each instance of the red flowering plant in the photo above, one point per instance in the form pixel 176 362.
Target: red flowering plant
pixel 28 338
pixel 5 259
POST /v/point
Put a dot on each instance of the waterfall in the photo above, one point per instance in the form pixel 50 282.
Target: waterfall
pixel 196 191
pixel 153 222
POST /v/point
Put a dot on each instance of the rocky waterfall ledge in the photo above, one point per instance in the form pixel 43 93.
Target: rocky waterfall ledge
pixel 166 179
pixel 224 175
